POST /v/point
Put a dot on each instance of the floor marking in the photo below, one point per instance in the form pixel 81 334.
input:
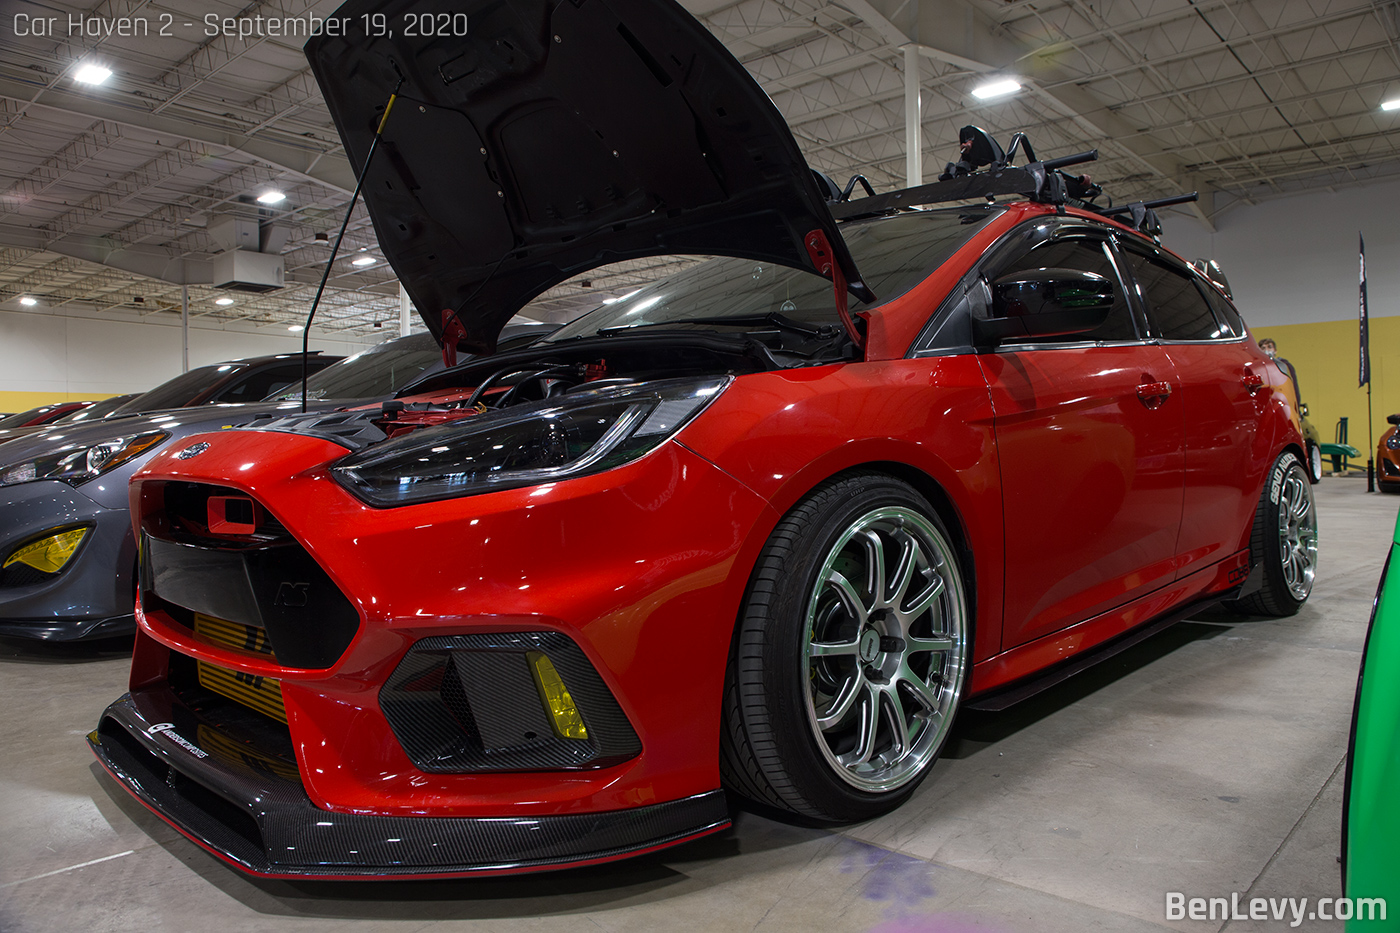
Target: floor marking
pixel 105 858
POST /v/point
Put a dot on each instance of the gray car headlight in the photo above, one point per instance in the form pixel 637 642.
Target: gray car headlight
pixel 581 433
pixel 75 464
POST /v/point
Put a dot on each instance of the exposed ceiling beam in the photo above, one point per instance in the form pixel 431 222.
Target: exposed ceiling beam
pixel 981 48
pixel 331 169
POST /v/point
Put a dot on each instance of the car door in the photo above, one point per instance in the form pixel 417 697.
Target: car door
pixel 1221 381
pixel 1089 436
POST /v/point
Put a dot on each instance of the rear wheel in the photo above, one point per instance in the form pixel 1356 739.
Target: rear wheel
pixel 851 654
pixel 1284 541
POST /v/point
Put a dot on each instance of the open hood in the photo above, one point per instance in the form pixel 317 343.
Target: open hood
pixel 536 139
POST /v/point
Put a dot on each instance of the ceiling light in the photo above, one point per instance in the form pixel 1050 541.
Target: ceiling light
pixel 271 197
pixel 223 302
pixel 363 261
pixel 998 88
pixel 28 302
pixel 1392 104
pixel 297 328
pixel 91 74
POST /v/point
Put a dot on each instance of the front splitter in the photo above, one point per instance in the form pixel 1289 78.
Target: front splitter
pixel 260 819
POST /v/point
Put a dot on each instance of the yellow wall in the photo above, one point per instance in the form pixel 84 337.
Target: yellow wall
pixel 23 401
pixel 1326 357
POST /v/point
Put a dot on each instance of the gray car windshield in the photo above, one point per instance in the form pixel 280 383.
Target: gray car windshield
pixel 178 392
pixel 893 254
pixel 375 373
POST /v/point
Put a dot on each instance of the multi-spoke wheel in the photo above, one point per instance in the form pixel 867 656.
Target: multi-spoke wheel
pixel 1284 541
pixel 851 653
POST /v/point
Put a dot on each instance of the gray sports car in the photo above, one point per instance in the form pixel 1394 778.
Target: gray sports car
pixel 67 553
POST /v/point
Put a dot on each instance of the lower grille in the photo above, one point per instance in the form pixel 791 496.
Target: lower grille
pixel 263 694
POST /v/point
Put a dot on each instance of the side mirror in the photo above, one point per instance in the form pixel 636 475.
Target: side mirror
pixel 1394 419
pixel 1046 303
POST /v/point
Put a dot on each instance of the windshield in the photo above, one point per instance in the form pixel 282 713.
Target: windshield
pixel 180 391
pixel 96 411
pixel 378 372
pixel 893 254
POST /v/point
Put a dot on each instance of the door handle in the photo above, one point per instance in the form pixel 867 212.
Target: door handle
pixel 1153 394
pixel 1252 381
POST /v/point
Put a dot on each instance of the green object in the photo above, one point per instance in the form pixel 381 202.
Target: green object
pixel 1371 812
pixel 1339 450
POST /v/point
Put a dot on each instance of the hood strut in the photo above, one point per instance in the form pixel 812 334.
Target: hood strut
pixel 359 183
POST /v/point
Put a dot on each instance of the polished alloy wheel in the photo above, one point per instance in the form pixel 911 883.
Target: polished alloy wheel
pixel 886 639
pixel 1297 533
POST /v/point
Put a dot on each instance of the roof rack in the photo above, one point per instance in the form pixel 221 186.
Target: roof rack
pixel 1040 181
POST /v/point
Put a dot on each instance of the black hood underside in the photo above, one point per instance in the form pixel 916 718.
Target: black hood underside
pixel 556 136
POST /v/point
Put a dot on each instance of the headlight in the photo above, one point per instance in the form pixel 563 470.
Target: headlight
pixel 1393 442
pixel 585 432
pixel 76 464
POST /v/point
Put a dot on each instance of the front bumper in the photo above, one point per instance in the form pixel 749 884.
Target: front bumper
pixel 93 595
pixel 235 801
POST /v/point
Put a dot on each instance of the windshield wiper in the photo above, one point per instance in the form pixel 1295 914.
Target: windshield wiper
pixel 780 321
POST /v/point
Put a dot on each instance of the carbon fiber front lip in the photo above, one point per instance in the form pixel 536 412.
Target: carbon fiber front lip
pixel 68 629
pixel 264 822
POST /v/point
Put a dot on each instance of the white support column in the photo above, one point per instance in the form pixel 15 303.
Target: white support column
pixel 184 328
pixel 405 312
pixel 913 137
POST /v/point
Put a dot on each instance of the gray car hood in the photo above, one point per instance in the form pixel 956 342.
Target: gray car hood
pixel 178 422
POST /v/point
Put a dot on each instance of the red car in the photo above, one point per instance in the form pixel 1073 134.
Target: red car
pixel 719 534
pixel 1388 457
pixel 41 415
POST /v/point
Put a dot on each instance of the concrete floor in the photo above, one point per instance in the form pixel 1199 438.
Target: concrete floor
pixel 1207 760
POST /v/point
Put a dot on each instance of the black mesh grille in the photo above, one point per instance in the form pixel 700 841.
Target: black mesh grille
pixel 18 574
pixel 467 703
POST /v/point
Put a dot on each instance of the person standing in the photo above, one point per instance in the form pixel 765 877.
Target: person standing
pixel 1271 351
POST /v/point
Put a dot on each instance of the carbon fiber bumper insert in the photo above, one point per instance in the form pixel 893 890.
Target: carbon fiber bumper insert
pixel 462 703
pixel 242 805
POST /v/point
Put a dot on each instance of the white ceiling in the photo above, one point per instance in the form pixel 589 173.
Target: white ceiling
pixel 105 192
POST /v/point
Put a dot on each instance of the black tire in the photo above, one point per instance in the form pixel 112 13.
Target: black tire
pixel 1284 541
pixel 1314 463
pixel 804 649
pixel 1392 488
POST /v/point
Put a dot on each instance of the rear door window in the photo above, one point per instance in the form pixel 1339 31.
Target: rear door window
pixel 1224 310
pixel 1176 307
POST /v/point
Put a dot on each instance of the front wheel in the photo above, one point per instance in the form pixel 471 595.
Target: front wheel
pixel 1284 541
pixel 851 654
